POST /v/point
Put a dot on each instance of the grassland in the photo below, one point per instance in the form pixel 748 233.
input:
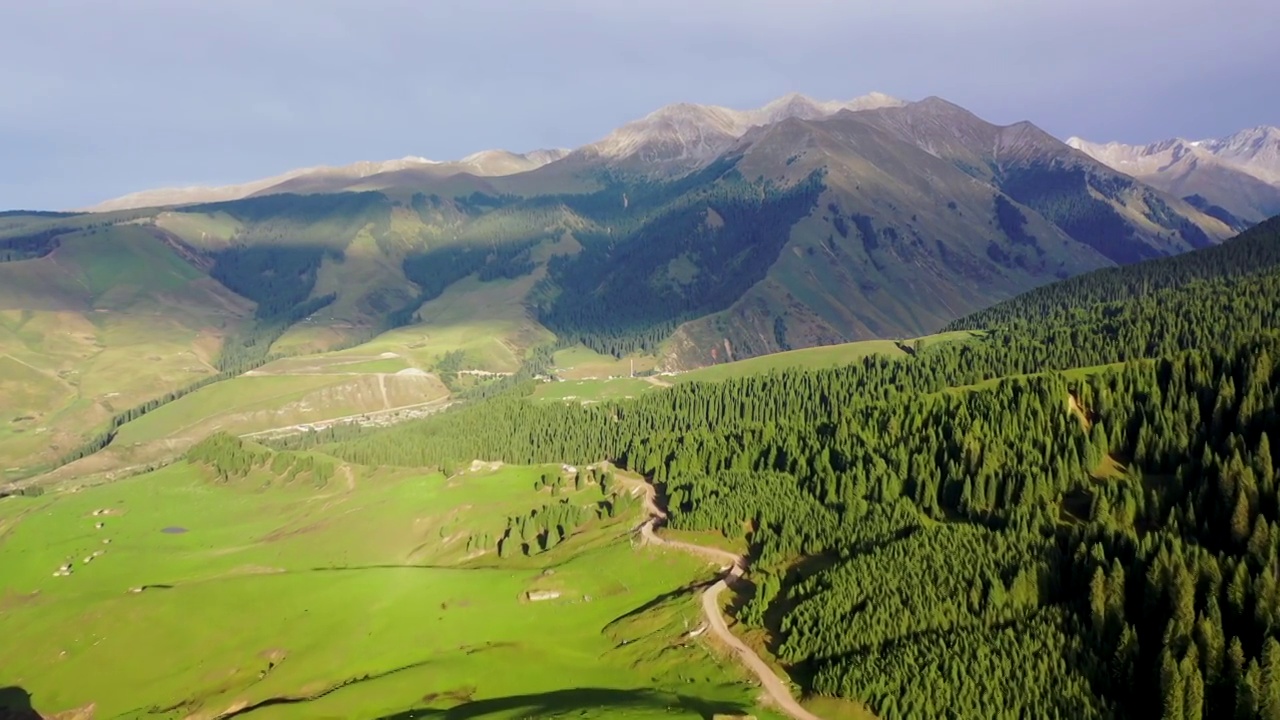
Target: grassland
pixel 285 394
pixel 593 390
pixel 360 593
pixel 815 357
pixel 581 363
pixel 110 319
pixel 253 403
pixel 486 321
pixel 203 230
pixel 599 389
pixel 1079 373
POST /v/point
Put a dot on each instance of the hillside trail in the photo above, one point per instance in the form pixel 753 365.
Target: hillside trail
pixel 733 567
pixel 382 385
pixel 1074 406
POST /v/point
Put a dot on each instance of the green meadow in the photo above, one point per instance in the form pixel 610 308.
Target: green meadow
pixel 109 320
pixel 824 356
pixel 261 402
pixel 593 390
pixel 580 363
pixel 353 593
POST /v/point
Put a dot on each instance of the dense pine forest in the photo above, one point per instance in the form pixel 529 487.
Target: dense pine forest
pixel 1071 514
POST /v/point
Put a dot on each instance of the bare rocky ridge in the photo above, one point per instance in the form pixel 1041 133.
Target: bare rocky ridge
pixel 678 137
pixel 686 135
pixel 487 163
pixel 493 163
pixel 193 194
pixel 1240 172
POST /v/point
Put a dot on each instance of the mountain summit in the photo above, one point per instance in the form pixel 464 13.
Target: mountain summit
pixel 685 135
pixel 671 139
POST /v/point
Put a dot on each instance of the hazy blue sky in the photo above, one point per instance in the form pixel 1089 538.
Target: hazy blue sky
pixel 102 98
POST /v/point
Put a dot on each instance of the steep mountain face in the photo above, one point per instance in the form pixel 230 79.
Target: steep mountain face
pixel 1239 173
pixel 929 212
pixel 898 240
pixel 1257 151
pixel 1124 220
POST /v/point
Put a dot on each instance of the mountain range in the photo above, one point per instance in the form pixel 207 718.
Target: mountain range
pixel 916 212
pixel 692 236
pixel 1239 173
pixel 925 212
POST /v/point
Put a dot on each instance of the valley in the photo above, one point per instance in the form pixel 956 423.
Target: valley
pixel 851 409
pixel 803 225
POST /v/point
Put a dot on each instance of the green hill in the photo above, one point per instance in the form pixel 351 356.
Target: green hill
pixel 109 319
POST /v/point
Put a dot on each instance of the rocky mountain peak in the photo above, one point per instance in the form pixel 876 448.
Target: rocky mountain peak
pixel 687 133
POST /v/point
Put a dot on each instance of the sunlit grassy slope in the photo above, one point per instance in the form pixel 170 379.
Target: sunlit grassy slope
pixel 112 318
pixel 816 357
pixel 485 320
pixel 361 592
pixel 581 363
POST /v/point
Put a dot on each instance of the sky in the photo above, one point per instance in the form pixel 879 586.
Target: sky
pixel 98 99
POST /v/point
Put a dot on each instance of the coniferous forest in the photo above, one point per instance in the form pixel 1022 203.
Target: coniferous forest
pixel 1073 513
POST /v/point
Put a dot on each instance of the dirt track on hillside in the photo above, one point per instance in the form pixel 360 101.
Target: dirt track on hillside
pixel 733 566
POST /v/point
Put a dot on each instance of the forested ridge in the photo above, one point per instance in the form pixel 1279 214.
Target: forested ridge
pixel 1253 251
pixel 1072 515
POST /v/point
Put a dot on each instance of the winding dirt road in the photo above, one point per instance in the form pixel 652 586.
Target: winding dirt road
pixel 733 566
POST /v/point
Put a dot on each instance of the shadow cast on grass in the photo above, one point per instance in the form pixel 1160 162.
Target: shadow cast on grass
pixel 15 704
pixel 574 701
